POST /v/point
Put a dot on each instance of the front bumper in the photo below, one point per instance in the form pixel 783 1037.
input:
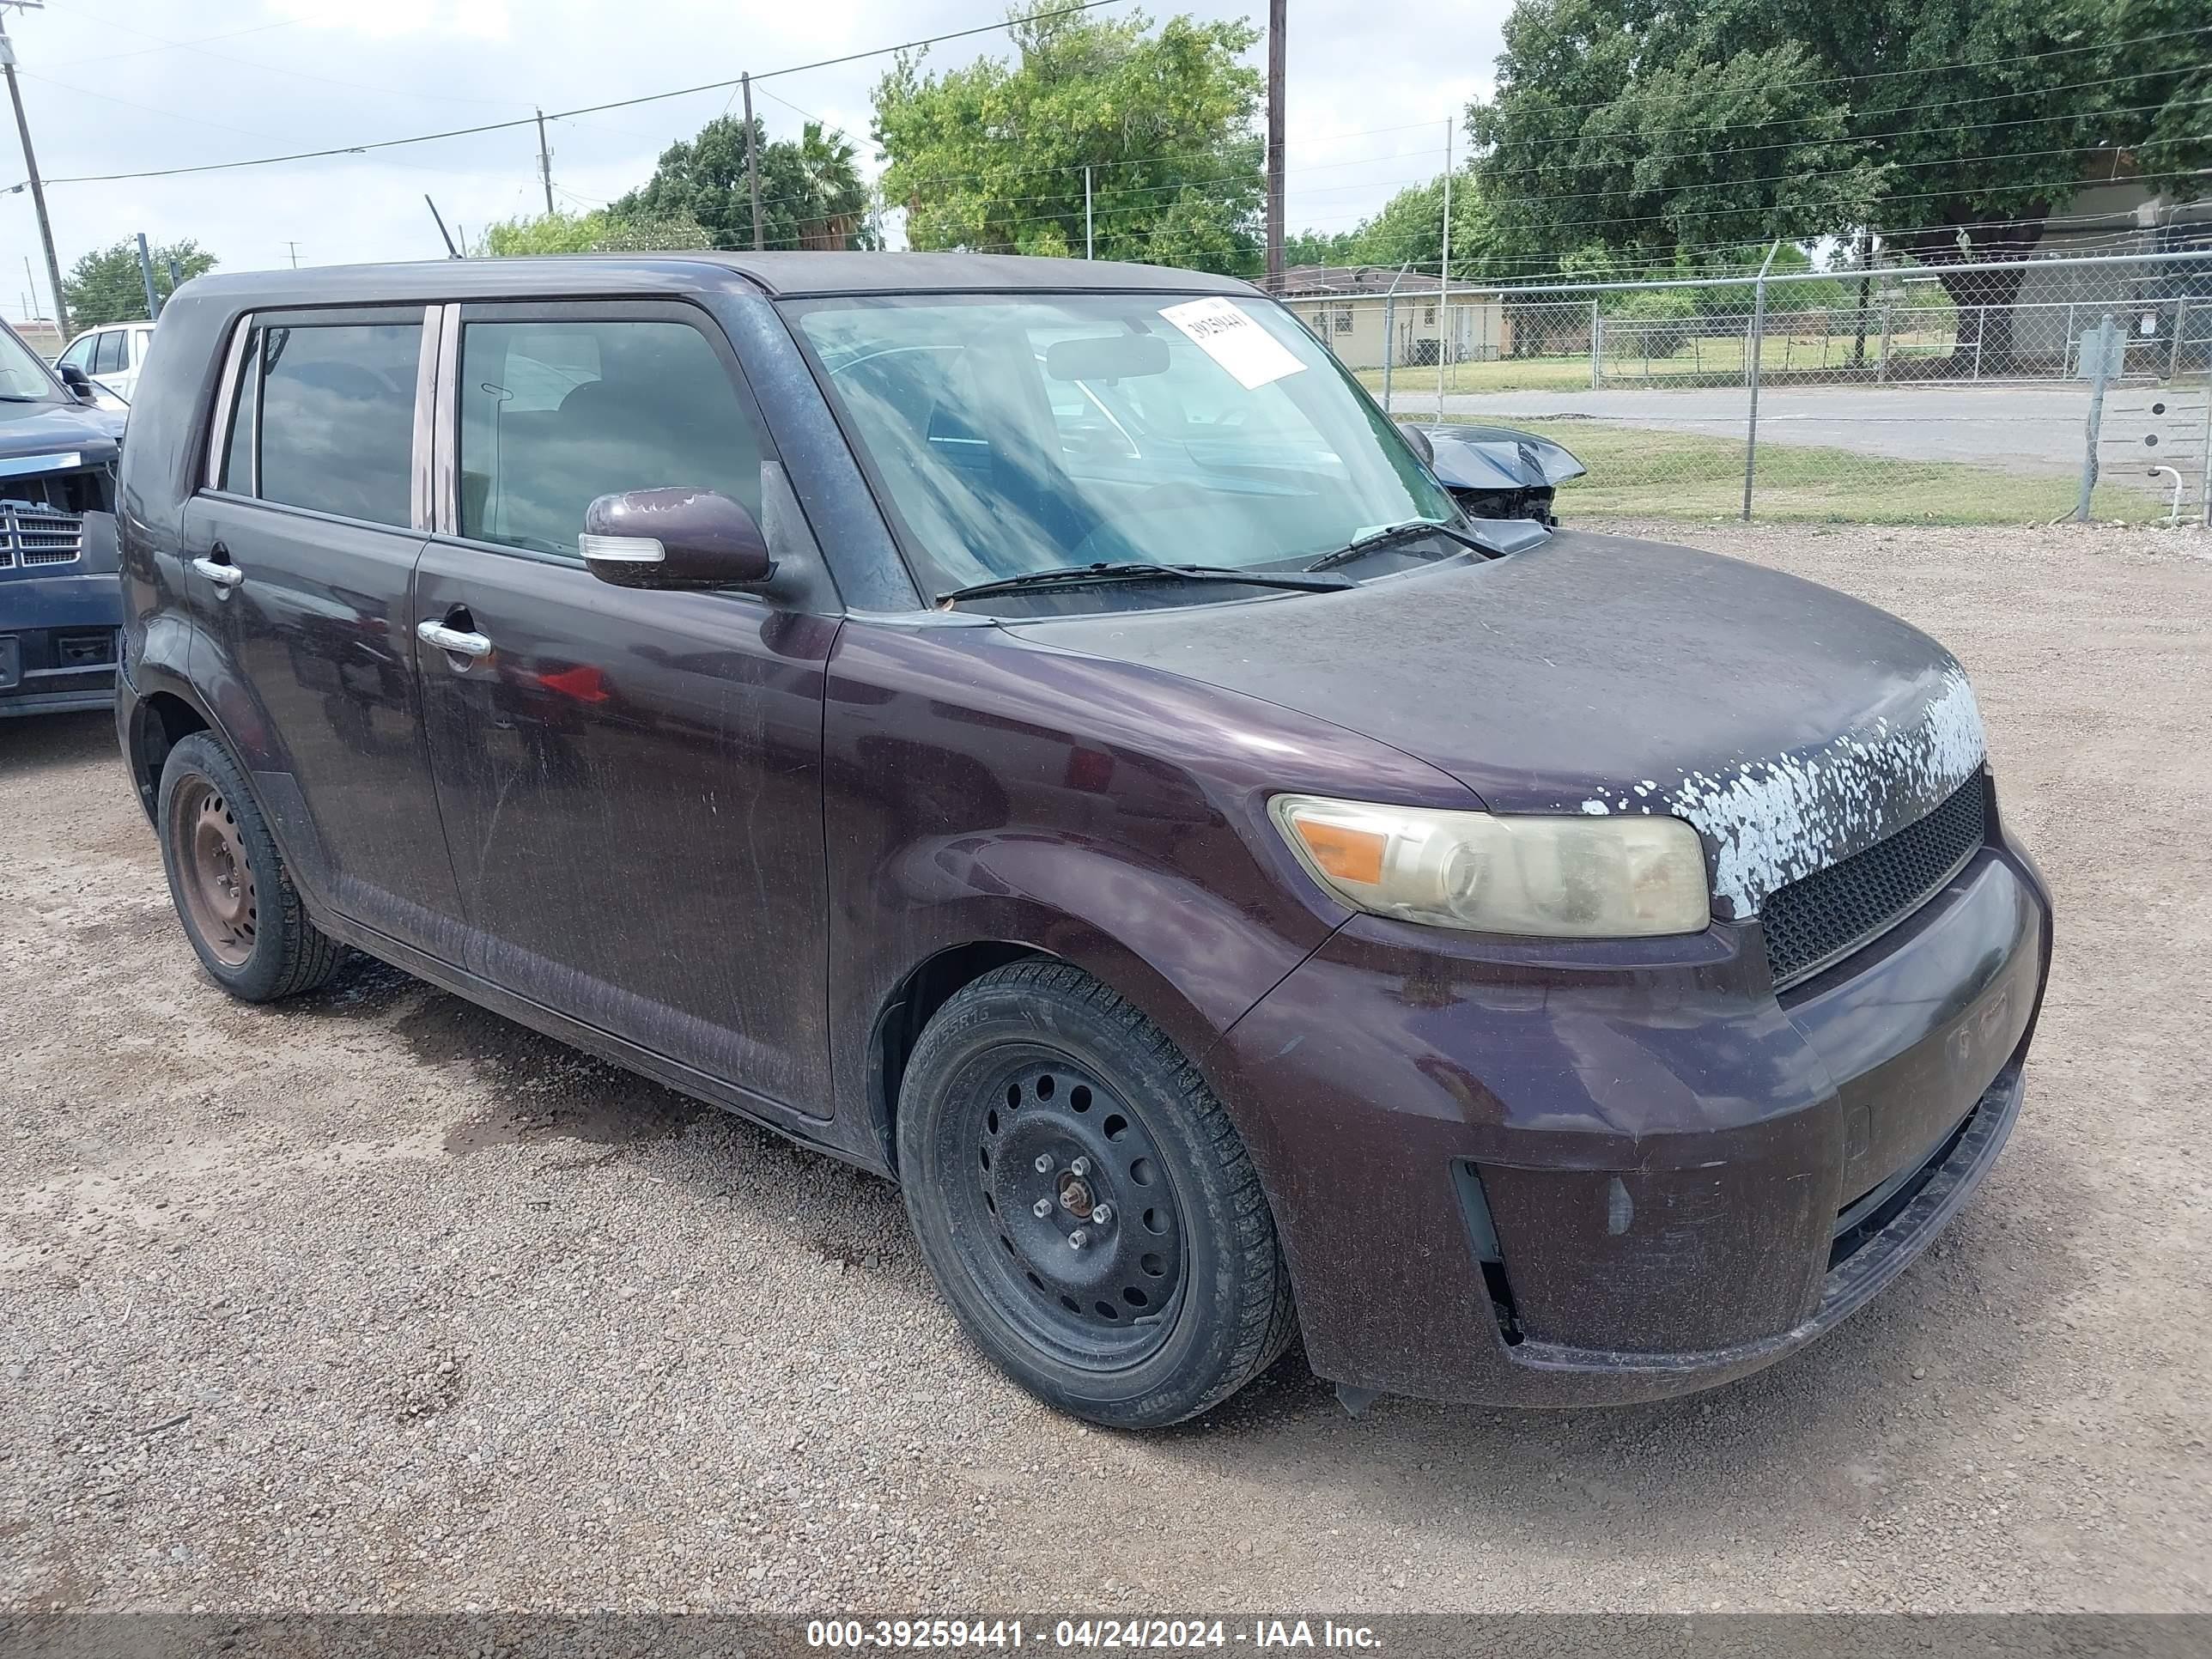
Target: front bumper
pixel 1527 1173
pixel 58 642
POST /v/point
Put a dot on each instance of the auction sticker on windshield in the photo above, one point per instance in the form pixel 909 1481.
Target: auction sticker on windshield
pixel 1226 334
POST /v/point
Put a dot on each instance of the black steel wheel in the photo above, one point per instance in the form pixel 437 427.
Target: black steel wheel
pixel 1085 1203
pixel 1090 1233
pixel 228 882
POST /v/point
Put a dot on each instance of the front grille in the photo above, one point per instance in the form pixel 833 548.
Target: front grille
pixel 1814 920
pixel 38 535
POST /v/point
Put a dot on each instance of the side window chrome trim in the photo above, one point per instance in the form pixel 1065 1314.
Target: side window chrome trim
pixel 445 481
pixel 226 397
pixel 420 489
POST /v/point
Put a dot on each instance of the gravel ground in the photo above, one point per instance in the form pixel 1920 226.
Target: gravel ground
pixel 377 1301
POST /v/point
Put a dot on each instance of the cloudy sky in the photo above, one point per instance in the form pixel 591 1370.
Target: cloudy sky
pixel 126 86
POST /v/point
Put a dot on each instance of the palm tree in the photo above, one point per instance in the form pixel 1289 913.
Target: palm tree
pixel 840 204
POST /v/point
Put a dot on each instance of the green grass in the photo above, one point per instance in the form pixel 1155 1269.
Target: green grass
pixel 1637 473
pixel 1783 356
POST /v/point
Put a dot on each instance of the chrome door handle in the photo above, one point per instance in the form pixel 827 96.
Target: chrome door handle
pixel 453 639
pixel 222 575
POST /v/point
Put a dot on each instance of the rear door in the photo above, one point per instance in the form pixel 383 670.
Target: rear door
pixel 301 553
pixel 630 780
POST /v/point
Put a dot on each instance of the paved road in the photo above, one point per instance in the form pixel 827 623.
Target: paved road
pixel 375 1300
pixel 2038 427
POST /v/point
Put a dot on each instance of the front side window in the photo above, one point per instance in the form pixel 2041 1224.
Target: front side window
pixel 1020 434
pixel 80 352
pixel 337 417
pixel 555 413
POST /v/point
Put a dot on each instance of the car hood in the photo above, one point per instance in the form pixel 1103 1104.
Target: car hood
pixel 1790 724
pixel 30 431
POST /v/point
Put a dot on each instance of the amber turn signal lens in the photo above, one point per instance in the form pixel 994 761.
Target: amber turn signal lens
pixel 1346 853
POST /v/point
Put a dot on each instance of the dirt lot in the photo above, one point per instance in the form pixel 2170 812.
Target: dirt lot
pixel 378 1301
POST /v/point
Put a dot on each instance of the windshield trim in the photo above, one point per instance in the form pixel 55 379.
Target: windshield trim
pixel 914 555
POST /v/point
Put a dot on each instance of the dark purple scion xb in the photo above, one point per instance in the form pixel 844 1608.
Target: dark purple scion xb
pixel 1035 730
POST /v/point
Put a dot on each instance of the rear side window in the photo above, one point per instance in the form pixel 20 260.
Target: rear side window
pixel 337 408
pixel 554 413
pixel 113 354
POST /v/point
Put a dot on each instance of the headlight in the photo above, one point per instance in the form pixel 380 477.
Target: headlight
pixel 1629 877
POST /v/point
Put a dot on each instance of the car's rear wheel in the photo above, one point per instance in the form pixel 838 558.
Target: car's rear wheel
pixel 1084 1202
pixel 232 892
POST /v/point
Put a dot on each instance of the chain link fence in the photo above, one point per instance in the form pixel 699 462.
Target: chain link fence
pixel 2032 390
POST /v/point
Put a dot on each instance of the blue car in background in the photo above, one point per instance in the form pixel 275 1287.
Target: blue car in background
pixel 61 600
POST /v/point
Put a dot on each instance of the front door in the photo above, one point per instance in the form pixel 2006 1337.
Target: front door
pixel 630 780
pixel 301 558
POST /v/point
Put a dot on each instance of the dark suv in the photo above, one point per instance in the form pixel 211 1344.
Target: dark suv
pixel 1034 729
pixel 60 605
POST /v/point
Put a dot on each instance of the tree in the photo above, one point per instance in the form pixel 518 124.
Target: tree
pixel 810 193
pixel 991 157
pixel 1321 247
pixel 1673 132
pixel 600 231
pixel 108 287
pixel 1409 229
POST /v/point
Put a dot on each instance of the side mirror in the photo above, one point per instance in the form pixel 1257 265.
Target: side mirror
pixel 1419 439
pixel 77 381
pixel 674 538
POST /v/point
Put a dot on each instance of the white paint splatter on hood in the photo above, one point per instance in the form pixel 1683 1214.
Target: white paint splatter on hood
pixel 1769 822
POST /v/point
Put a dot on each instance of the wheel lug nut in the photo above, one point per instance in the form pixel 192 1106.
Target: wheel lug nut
pixel 1080 1168
pixel 1041 1208
pixel 1102 1214
pixel 1044 1163
pixel 1078 1239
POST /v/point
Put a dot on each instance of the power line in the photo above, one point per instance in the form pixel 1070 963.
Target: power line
pixel 1962 64
pixel 1746 149
pixel 170 46
pixel 196 48
pixel 587 109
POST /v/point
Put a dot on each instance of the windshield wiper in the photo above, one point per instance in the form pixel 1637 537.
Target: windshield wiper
pixel 1375 540
pixel 1085 575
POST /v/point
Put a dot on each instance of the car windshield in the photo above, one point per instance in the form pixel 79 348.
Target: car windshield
pixel 22 376
pixel 1020 434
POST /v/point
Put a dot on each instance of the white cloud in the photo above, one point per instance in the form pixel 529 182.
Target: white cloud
pixel 1370 89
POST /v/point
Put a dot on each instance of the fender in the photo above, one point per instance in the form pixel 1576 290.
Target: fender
pixel 1090 907
pixel 172 646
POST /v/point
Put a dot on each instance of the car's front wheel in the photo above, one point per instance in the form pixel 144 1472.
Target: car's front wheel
pixel 231 890
pixel 1084 1202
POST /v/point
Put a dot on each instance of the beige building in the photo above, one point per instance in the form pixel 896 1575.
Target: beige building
pixel 41 335
pixel 1351 310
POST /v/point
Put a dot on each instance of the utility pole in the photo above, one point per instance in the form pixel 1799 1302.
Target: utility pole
pixel 1086 210
pixel 1277 57
pixel 295 249
pixel 1443 271
pixel 146 275
pixel 752 161
pixel 30 164
pixel 544 163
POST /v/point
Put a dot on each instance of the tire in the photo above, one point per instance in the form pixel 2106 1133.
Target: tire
pixel 1175 1296
pixel 232 892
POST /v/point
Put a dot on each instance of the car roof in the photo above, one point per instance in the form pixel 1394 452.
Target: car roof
pixel 784 275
